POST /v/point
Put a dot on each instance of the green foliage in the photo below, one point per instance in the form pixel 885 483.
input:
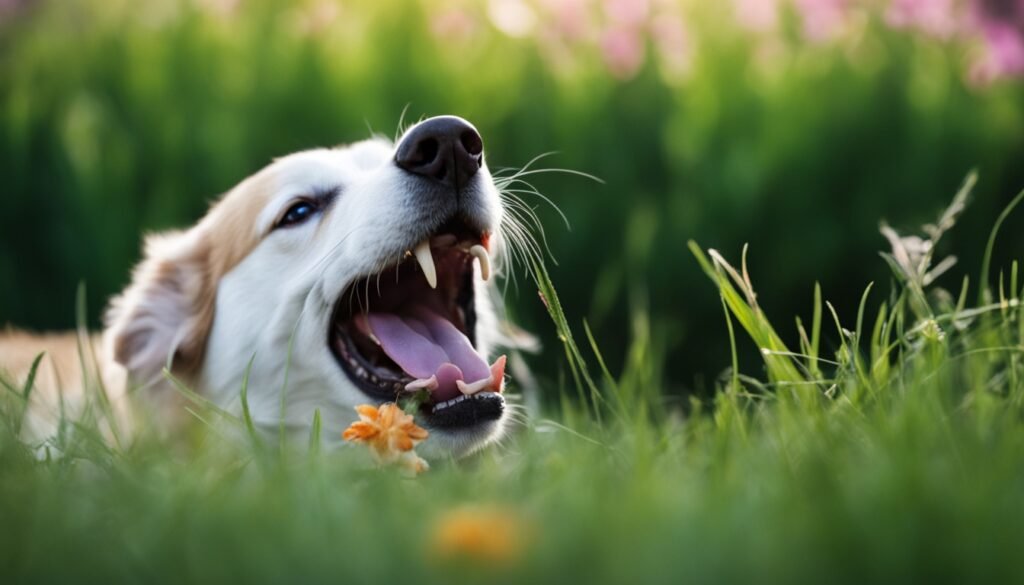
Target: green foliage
pixel 119 117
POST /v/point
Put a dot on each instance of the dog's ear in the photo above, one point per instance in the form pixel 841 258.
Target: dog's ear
pixel 164 316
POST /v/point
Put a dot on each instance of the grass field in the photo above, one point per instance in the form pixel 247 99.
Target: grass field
pixel 888 445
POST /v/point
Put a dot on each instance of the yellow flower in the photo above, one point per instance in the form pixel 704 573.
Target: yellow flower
pixel 390 433
pixel 490 535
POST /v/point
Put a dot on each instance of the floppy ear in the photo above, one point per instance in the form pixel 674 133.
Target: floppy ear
pixel 165 314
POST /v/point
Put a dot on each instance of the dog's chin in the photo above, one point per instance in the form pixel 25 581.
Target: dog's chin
pixel 445 442
pixel 398 336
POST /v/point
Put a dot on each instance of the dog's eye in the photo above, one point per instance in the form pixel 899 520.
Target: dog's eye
pixel 298 213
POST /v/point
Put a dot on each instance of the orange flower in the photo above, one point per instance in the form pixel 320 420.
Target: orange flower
pixel 390 433
pixel 494 536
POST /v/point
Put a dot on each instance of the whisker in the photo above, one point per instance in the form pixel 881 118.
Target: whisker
pixel 527 165
pixel 533 191
pixel 525 173
pixel 521 239
pixel 400 130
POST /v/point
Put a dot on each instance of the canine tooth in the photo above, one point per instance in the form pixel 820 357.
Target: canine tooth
pixel 426 260
pixel 480 253
pixel 471 389
pixel 428 383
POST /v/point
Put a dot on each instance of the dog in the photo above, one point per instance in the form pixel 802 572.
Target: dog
pixel 329 279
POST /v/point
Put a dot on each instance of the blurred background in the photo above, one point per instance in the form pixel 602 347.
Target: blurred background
pixel 791 125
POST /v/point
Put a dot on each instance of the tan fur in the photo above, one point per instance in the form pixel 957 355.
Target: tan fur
pixel 60 377
pixel 19 348
pixel 222 239
pixel 227 238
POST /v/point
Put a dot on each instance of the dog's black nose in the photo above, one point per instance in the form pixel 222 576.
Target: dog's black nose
pixel 446 148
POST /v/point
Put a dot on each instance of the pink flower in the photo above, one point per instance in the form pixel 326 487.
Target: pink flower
pixel 823 20
pixel 10 7
pixel 757 15
pixel 568 19
pixel 623 51
pixel 1001 24
pixel 937 18
pixel 627 13
pixel 1006 46
pixel 453 24
pixel 672 41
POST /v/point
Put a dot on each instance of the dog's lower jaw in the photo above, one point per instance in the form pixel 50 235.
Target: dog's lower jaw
pixel 442 444
pixel 316 384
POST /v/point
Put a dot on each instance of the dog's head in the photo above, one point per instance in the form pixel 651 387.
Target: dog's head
pixel 339 277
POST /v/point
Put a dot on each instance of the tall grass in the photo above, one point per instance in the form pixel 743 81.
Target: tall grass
pixel 120 117
pixel 888 445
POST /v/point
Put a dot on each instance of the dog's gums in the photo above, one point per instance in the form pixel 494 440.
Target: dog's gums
pixel 411 327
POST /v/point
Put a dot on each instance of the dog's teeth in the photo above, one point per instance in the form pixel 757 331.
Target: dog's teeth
pixel 480 253
pixel 471 389
pixel 428 383
pixel 426 260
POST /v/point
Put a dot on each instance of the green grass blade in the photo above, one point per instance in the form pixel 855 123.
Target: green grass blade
pixel 577 363
pixel 250 426
pixel 816 329
pixel 26 392
pixel 30 381
pixel 282 436
pixel 734 377
pixel 777 357
pixel 314 433
pixel 858 332
pixel 179 386
pixel 984 294
pixel 605 372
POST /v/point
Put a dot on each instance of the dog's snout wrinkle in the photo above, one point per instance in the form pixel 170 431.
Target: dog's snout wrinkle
pixel 447 149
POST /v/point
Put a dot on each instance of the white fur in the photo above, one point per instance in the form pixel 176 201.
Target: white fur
pixel 283 292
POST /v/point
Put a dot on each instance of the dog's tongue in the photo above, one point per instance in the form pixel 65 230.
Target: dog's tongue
pixel 425 344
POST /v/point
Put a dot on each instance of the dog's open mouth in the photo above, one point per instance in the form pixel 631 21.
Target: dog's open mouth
pixel 411 327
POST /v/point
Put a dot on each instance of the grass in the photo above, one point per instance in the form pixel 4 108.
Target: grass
pixel 894 452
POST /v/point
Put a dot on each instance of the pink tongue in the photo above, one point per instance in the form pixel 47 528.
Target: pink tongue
pixel 426 344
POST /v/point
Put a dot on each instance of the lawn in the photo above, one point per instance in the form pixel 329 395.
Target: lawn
pixel 888 445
